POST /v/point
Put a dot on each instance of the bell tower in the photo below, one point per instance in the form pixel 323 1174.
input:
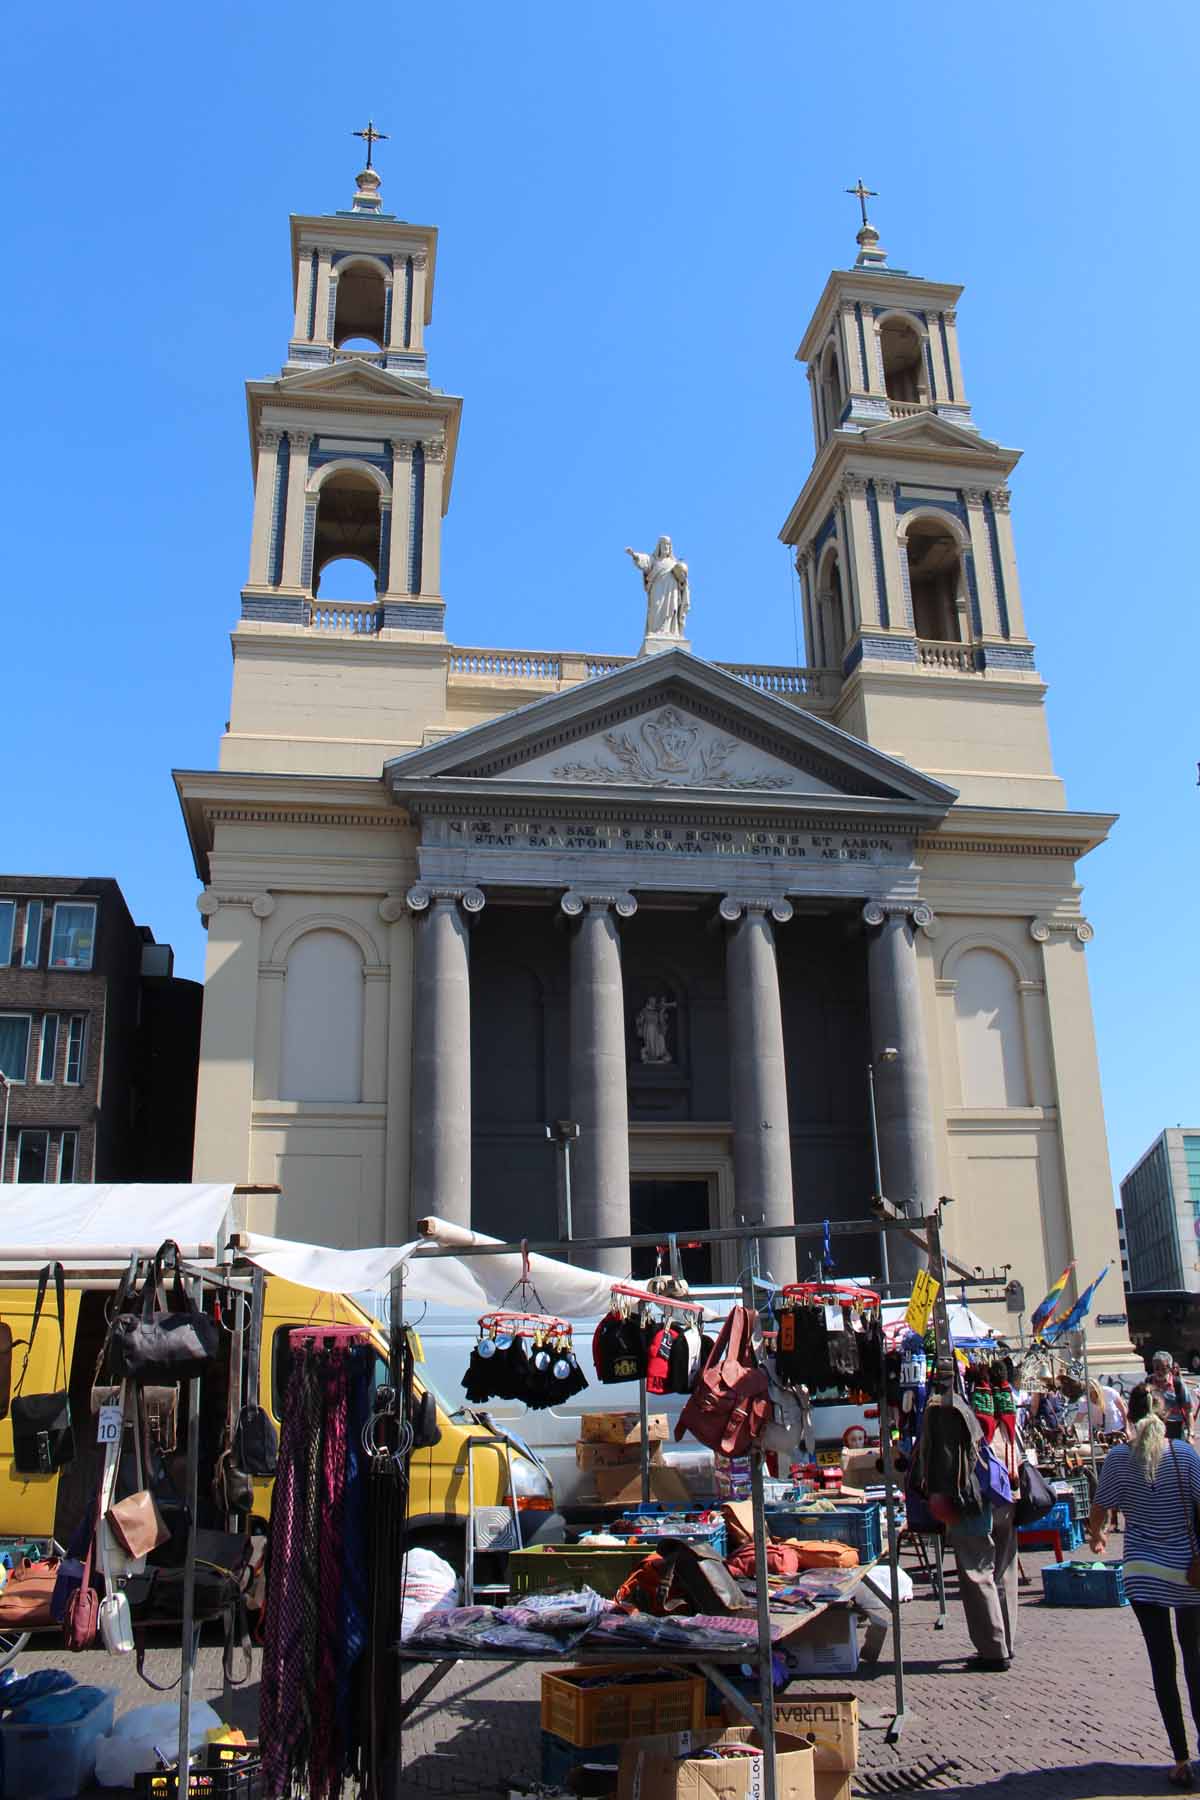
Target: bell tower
pixel 352 450
pixel 903 540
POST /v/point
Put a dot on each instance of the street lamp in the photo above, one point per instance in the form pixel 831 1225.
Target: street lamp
pixel 564 1132
pixel 885 1056
pixel 7 1086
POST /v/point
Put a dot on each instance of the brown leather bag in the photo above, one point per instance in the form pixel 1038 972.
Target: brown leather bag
pixel 137 1524
pixel 729 1406
pixel 82 1616
pixel 823 1553
pixel 25 1602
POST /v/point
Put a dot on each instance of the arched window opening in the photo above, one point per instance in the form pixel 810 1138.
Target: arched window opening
pixel 361 308
pixel 321 1052
pixel 347 524
pixel 991 1052
pixel 903 363
pixel 935 580
pixel 833 394
pixel 347 578
pixel 831 615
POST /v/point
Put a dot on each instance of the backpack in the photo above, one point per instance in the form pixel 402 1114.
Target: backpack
pixel 729 1406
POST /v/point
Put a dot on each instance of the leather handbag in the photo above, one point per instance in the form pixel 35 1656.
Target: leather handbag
pixel 256 1442
pixel 1036 1497
pixel 43 1437
pixel 159 1345
pixel 233 1488
pixel 137 1524
pixel 729 1406
pixel 1193 1569
pixel 82 1613
pixel 28 1595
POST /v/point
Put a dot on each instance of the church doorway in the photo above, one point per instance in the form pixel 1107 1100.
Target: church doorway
pixel 680 1206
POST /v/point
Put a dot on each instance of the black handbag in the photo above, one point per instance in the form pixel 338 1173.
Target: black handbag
pixel 161 1346
pixel 1036 1496
pixel 256 1442
pixel 43 1436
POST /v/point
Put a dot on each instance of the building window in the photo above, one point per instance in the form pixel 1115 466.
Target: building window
pixel 8 922
pixel 31 954
pixel 935 579
pixel 68 1156
pixel 33 1149
pixel 14 1045
pixel 322 1048
pixel 74 937
pixel 49 1056
pixel 76 1038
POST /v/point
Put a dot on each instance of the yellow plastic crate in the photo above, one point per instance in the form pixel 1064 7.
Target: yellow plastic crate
pixel 659 1700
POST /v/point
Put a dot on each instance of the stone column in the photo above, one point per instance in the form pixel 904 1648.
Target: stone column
pixel 951 321
pixel 598 1081
pixel 441 1054
pixel 862 553
pixel 981 551
pixel 1001 504
pixel 225 1096
pixel 397 571
pixel 264 504
pixel 903 1101
pixel 320 334
pixel 420 264
pixel 431 518
pixel 293 526
pixel 762 1144
pixel 304 284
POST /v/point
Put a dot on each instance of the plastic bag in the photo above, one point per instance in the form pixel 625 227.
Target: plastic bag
pixel 128 1751
pixel 427 1584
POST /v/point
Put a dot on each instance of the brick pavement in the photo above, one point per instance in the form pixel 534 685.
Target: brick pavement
pixel 1074 1719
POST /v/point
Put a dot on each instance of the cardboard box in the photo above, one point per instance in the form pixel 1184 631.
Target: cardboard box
pixel 651 1769
pixel 829 1722
pixel 620 1428
pixel 614 1456
pixel 863 1468
pixel 826 1645
pixel 623 1486
pixel 831 1786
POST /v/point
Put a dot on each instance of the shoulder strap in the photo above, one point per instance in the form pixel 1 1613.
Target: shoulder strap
pixel 61 1298
pixel 43 1279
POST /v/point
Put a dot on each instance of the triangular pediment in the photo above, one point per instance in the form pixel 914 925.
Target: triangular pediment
pixel 668 726
pixel 928 431
pixel 346 379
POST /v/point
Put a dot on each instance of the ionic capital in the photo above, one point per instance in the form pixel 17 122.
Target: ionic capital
pixel 392 908
pixel 426 894
pixel 735 906
pixel 919 913
pixel 574 902
pixel 1040 930
pixel 210 902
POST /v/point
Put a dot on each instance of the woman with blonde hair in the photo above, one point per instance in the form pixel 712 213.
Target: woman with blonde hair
pixel 1156 1485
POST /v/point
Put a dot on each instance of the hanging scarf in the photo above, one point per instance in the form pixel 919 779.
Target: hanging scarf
pixel 284 1709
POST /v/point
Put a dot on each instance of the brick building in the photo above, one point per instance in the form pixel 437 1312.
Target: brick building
pixel 98 1039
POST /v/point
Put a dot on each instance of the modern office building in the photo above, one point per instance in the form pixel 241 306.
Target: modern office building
pixel 455 893
pixel 99 1041
pixel 1160 1202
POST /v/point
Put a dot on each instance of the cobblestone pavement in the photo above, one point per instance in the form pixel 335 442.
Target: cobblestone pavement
pixel 1074 1718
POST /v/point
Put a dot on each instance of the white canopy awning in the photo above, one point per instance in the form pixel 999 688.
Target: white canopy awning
pixel 110 1221
pixel 474 1283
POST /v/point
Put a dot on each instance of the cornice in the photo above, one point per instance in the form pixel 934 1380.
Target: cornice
pixel 865 284
pixel 842 447
pixel 212 796
pixel 1016 831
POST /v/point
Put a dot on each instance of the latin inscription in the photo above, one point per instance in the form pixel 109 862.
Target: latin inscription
pixel 559 835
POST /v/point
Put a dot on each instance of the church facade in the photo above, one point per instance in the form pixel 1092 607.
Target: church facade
pixel 565 945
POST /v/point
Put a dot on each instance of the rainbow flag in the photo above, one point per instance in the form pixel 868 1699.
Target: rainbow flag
pixel 1078 1312
pixel 1046 1310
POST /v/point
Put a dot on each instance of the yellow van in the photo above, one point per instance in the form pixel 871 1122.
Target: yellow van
pixel 38 1506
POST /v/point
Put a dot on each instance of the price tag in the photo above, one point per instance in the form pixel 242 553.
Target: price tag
pixel 920 1307
pixel 829 1459
pixel 833 1319
pixel 108 1428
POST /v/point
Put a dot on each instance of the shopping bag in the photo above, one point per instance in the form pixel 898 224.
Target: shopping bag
pixel 42 1434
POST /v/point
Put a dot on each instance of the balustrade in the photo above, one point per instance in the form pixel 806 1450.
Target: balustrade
pixel 362 621
pixel 958 657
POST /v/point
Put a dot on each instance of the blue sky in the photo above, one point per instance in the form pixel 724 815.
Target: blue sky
pixel 638 203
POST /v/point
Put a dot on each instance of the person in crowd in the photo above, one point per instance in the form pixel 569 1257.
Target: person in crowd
pixel 1048 1410
pixel 985 1550
pixel 1167 1383
pixel 1155 1482
pixel 1106 1410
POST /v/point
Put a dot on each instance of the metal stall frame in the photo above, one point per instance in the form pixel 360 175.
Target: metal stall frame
pixel 925 1232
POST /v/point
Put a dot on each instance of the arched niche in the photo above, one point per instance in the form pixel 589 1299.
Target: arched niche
pixel 993 1068
pixel 321 1031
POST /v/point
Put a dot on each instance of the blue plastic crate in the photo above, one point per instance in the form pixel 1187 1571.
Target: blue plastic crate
pixel 559 1758
pixel 1078 1584
pixel 662 1525
pixel 858 1526
pixel 1057 1519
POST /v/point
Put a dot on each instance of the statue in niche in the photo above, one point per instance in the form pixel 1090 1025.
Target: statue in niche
pixel 651 1025
pixel 668 598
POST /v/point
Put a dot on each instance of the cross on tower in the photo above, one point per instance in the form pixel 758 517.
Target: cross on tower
pixel 862 195
pixel 374 137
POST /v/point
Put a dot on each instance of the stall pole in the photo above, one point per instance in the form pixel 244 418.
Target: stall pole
pixel 889 1491
pixel 644 1415
pixel 766 1685
pixel 1087 1404
pixel 192 1483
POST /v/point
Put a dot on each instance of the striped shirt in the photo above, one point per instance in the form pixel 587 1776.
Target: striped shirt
pixel 1160 1527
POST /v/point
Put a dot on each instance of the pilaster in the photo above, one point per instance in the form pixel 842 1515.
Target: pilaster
pixel 899 606
pixel 304 295
pixel 431 518
pixel 950 320
pixel 393 910
pixel 854 489
pixel 264 505
pixel 420 263
pixel 981 550
pixel 1001 507
pixel 293 529
pixel 320 333
pixel 225 1093
pixel 856 377
pixel 396 573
